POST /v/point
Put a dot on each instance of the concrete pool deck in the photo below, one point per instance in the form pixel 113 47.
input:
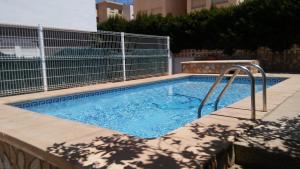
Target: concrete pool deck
pixel 275 141
pixel 204 143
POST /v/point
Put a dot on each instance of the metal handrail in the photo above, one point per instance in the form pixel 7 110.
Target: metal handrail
pixel 237 68
pixel 264 78
pixel 225 88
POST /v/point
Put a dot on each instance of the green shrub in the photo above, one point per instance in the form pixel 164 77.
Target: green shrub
pixel 252 24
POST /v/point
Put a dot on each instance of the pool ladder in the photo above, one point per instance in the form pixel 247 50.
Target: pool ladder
pixel 237 69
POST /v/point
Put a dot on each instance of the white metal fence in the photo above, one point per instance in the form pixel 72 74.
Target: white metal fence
pixel 37 59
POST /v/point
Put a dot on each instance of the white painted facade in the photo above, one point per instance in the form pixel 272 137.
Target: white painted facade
pixel 128 12
pixel 62 14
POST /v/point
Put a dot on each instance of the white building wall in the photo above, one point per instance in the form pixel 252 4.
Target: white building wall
pixel 128 12
pixel 63 14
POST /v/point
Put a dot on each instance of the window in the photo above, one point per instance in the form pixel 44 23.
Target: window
pixel 198 4
pixel 219 1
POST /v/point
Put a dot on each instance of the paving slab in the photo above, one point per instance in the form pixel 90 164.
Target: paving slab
pixel 275 142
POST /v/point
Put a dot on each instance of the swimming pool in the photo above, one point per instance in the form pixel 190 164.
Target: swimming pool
pixel 147 110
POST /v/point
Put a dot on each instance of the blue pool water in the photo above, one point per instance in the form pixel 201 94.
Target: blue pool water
pixel 146 111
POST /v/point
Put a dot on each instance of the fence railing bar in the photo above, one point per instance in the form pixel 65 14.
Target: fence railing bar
pixel 42 54
pixel 170 60
pixel 123 55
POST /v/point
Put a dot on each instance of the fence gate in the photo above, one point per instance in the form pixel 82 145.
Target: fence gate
pixel 36 59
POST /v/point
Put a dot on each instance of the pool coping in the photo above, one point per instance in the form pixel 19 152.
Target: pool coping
pixel 197 144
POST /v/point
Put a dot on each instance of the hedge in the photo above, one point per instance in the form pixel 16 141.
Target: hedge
pixel 252 24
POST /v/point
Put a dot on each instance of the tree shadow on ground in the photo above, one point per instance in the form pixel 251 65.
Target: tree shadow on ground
pixel 167 152
pixel 202 146
pixel 270 135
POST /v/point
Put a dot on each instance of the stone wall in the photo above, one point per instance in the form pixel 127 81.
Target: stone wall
pixel 214 67
pixel 286 62
pixel 14 158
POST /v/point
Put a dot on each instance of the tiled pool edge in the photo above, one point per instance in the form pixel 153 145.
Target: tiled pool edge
pixel 201 124
pixel 84 89
pixel 27 104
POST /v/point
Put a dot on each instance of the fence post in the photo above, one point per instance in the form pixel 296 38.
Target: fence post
pixel 123 55
pixel 42 56
pixel 170 60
